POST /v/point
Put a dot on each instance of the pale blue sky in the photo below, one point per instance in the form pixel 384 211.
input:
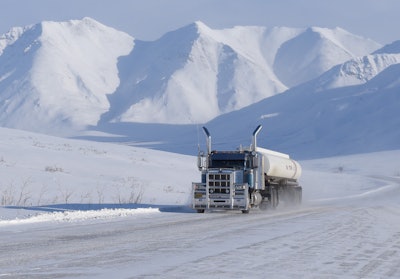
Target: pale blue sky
pixel 149 19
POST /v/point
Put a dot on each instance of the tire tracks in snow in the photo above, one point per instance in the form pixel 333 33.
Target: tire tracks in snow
pixel 356 238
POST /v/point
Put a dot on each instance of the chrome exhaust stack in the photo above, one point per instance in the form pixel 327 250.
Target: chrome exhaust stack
pixel 208 140
pixel 255 133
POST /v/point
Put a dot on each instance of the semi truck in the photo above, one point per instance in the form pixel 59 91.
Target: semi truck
pixel 245 178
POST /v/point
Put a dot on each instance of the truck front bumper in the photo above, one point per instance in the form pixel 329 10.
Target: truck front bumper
pixel 204 197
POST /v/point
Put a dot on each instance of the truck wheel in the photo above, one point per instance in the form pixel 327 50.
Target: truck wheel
pixel 245 211
pixel 200 210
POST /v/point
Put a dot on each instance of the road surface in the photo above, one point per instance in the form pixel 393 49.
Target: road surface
pixel 357 237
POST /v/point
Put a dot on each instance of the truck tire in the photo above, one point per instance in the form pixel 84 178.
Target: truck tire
pixel 264 205
pixel 200 210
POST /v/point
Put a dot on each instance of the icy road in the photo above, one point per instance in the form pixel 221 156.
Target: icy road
pixel 353 237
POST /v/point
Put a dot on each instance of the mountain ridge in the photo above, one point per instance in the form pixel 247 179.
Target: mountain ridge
pixel 83 73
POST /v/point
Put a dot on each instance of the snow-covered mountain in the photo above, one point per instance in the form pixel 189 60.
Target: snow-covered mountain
pixel 194 74
pixel 56 76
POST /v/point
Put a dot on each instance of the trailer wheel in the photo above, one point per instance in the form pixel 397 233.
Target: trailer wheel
pixel 245 211
pixel 274 198
pixel 200 210
pixel 264 205
pixel 299 195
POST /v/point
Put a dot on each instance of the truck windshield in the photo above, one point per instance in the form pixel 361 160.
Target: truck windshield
pixel 228 160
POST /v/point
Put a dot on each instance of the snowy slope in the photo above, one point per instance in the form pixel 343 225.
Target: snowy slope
pixel 42 170
pixel 315 51
pixel 55 75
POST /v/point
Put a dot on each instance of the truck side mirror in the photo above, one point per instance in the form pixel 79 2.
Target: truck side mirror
pixel 254 161
pixel 201 161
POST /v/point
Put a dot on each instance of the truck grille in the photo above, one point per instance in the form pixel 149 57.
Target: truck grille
pixel 219 183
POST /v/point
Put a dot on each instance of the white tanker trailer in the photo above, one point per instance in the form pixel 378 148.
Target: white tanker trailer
pixel 245 178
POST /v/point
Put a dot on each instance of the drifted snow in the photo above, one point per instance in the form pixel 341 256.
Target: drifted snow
pixel 59 215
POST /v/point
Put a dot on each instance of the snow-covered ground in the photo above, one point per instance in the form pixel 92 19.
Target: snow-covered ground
pixel 41 170
pixel 68 212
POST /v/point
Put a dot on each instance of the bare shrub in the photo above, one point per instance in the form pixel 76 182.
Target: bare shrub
pixel 100 194
pixel 86 198
pixel 42 192
pixel 66 194
pixel 7 195
pixel 53 169
pixel 16 195
pixel 128 191
pixel 24 194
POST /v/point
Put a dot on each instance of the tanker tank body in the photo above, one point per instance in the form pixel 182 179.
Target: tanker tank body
pixel 245 178
pixel 281 174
